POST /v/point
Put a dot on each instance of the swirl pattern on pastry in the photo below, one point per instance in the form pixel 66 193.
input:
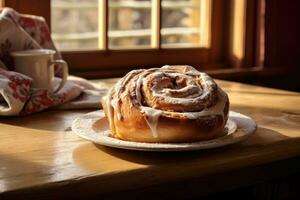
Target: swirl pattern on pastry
pixel 168 104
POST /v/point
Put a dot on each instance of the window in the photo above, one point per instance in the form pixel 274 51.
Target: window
pixel 119 35
pixel 131 24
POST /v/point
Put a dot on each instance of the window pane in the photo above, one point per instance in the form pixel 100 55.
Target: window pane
pixel 77 24
pixel 74 24
pixel 129 24
pixel 180 23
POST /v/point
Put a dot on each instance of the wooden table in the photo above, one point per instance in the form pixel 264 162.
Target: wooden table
pixel 40 157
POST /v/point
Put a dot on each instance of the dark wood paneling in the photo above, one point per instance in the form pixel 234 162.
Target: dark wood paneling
pixel 282 34
pixel 250 36
pixel 219 31
pixel 33 7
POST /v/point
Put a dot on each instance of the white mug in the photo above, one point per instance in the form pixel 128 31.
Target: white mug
pixel 38 64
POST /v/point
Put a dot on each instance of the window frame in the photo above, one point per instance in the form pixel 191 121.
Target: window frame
pixel 110 63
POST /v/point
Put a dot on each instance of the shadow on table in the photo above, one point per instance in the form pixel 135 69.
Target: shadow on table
pixel 100 154
pixel 49 120
pixel 17 172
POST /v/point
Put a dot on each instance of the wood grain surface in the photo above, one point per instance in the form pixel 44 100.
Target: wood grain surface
pixel 41 158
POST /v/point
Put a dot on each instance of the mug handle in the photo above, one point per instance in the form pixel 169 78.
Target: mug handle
pixel 65 72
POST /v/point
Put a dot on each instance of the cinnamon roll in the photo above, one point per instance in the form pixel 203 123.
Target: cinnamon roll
pixel 168 104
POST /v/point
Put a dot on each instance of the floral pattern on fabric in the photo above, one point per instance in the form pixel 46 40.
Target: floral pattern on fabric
pixel 14 92
pixel 42 99
pixel 20 87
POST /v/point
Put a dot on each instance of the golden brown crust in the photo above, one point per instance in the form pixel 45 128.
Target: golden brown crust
pixel 170 104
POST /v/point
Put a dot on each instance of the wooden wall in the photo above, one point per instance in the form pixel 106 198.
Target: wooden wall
pixel 282 34
pixel 282 47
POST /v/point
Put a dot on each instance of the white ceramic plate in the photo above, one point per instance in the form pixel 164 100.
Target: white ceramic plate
pixel 94 126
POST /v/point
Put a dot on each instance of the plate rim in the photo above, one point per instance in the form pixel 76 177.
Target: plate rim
pixel 90 118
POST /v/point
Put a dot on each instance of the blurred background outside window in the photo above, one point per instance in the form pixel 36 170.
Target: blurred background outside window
pixel 75 24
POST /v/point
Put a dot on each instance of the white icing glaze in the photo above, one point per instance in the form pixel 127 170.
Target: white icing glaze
pixel 107 100
pixel 186 89
pixel 115 104
pixel 138 89
pixel 152 119
pixel 197 96
pixel 151 115
pixel 217 109
pixel 157 74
